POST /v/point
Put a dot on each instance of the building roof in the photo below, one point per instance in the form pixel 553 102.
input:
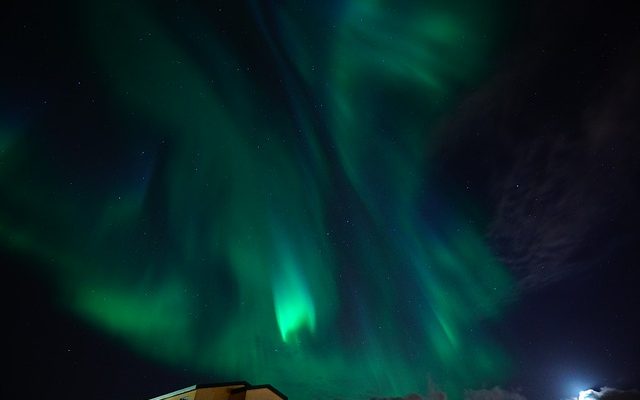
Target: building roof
pixel 240 390
pixel 202 386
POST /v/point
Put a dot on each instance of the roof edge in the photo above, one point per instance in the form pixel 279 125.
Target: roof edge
pixel 200 386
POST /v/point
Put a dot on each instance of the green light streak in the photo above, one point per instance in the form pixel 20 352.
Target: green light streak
pixel 279 234
pixel 292 300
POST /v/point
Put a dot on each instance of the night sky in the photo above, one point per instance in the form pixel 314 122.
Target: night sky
pixel 344 199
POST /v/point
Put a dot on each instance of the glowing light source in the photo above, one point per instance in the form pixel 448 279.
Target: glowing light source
pixel 588 394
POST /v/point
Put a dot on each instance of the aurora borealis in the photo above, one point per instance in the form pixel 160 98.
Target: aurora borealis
pixel 261 191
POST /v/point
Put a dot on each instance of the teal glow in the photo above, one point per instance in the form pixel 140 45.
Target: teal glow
pixel 292 300
pixel 268 212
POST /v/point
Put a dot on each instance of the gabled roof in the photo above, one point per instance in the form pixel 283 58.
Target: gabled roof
pixel 238 385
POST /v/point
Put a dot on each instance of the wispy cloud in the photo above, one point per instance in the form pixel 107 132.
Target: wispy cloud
pixel 607 393
pixel 496 393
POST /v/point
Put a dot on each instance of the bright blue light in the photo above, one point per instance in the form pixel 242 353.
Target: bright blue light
pixel 579 387
pixel 588 394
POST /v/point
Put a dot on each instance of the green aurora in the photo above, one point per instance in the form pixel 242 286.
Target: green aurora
pixel 261 205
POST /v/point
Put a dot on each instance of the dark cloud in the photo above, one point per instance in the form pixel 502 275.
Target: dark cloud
pixel 555 160
pixel 545 212
pixel 496 393
pixel 572 179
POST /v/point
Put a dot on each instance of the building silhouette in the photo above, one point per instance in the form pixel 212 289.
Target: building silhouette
pixel 225 391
